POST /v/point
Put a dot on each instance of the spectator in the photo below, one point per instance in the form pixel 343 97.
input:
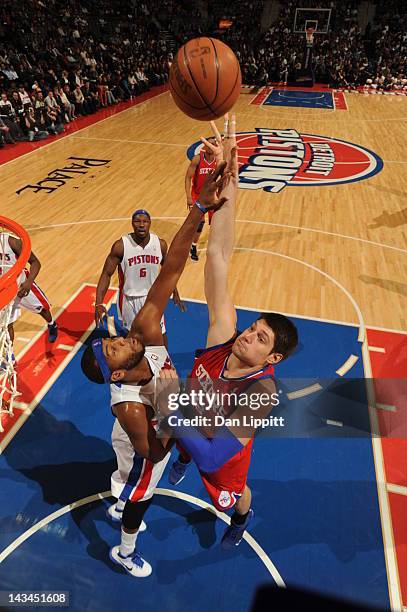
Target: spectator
pixel 24 97
pixel 35 129
pixel 39 105
pixel 142 78
pixel 79 101
pixel 5 135
pixel 67 105
pixel 16 104
pixel 8 116
pixel 132 84
pixel 52 103
pixel 109 95
pixel 90 99
pixel 102 91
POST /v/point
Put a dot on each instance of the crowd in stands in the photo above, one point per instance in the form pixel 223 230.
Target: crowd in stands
pixel 388 46
pixel 61 59
pixel 282 51
pixel 344 57
pixel 183 18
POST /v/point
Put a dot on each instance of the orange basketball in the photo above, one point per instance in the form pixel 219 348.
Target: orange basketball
pixel 205 78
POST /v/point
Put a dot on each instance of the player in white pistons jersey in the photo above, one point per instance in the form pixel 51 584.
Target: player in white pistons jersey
pixel 29 295
pixel 131 366
pixel 136 476
pixel 137 258
pixel 137 271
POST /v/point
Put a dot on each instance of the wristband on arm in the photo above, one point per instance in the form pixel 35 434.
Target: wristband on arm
pixel 200 206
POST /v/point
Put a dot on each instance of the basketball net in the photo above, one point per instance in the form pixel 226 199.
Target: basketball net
pixel 8 376
pixel 9 277
pixel 309 34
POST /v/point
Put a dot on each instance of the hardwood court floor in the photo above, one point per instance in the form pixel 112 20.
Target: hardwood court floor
pixel 356 252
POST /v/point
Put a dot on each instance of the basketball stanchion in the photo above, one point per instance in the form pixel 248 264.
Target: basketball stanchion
pixel 309 35
pixel 9 283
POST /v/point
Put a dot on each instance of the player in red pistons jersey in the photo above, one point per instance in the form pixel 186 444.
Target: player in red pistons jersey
pixel 198 169
pixel 241 360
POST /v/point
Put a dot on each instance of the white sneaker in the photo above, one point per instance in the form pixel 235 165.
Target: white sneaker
pixel 116 516
pixel 133 564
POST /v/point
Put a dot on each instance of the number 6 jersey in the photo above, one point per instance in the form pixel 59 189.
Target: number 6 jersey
pixel 139 267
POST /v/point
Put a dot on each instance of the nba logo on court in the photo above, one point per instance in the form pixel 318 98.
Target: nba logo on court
pixel 272 159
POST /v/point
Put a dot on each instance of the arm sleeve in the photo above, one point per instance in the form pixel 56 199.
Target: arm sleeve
pixel 208 454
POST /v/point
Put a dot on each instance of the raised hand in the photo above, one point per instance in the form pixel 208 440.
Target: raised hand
pixel 100 314
pixel 217 149
pixel 24 289
pixel 230 148
pixel 176 298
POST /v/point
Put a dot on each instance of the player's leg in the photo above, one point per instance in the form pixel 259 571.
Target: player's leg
pixel 240 520
pixel 139 472
pixel 227 488
pixel 235 495
pixel 194 252
pixel 127 308
pixel 52 326
pixel 14 315
pixel 37 301
pixel 125 554
pixel 146 475
pixel 122 480
pixel 243 504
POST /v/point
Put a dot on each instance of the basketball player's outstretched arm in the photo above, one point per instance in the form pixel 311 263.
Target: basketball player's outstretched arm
pixel 176 298
pixel 147 322
pixel 222 313
pixel 35 266
pixel 112 261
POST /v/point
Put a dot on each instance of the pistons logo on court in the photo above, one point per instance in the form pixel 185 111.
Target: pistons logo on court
pixel 274 159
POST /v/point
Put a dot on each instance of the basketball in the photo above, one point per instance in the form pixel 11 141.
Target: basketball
pixel 205 78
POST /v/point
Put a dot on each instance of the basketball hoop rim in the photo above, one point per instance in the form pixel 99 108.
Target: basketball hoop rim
pixel 9 280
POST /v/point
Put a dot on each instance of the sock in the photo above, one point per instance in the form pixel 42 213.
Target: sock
pixel 128 543
pixel 194 244
pixel 120 505
pixel 51 322
pixel 239 519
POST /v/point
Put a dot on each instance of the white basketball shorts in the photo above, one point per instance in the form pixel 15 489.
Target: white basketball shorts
pixel 136 478
pixel 35 301
pixel 128 307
